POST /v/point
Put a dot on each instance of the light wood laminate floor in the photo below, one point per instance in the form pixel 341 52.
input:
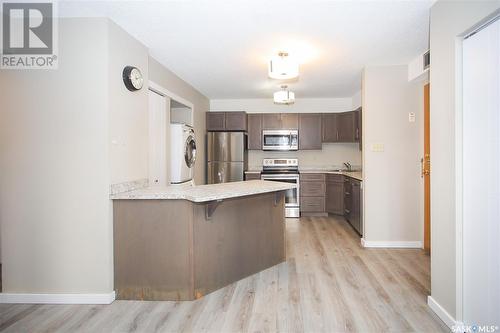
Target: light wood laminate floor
pixel 329 283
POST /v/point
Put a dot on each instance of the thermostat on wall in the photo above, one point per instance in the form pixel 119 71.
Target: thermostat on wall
pixel 411 117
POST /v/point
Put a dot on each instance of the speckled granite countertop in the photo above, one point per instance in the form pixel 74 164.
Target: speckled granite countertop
pixel 204 193
pixel 353 174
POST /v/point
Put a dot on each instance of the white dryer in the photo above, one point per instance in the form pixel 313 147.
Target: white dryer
pixel 183 153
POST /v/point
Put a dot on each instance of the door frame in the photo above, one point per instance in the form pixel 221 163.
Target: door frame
pixel 459 145
pixel 167 93
pixel 426 166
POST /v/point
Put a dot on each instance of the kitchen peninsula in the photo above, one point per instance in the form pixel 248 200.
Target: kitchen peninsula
pixel 180 243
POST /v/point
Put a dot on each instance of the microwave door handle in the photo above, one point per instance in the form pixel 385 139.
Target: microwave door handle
pixel 290 141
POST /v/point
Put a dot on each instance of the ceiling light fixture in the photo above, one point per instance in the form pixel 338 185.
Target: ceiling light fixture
pixel 283 67
pixel 284 96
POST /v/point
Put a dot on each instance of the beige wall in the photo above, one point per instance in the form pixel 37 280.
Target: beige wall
pixel 168 80
pixel 54 205
pixel 65 136
pixel 393 189
pixel 128 111
pixel 449 20
pixel 331 156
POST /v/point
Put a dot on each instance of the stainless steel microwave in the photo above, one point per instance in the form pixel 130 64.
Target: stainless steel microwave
pixel 280 139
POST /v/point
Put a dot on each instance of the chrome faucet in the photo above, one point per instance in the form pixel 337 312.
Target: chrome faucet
pixel 348 166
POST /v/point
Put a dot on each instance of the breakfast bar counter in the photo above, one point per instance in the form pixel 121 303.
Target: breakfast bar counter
pixel 180 243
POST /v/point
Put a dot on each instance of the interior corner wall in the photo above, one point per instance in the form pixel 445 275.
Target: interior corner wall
pixel 128 110
pixel 392 186
pixel 168 80
pixel 54 193
pixel 448 21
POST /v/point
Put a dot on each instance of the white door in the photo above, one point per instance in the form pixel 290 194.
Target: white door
pixel 158 110
pixel 481 177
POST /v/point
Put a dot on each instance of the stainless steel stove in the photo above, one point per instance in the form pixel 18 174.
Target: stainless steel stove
pixel 284 170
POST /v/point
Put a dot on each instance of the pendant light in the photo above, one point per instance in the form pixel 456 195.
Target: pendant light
pixel 284 96
pixel 283 67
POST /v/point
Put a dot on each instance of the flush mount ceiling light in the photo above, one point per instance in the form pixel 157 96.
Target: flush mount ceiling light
pixel 283 67
pixel 284 96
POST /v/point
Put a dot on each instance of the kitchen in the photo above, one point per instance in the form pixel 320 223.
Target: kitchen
pixel 320 190
pixel 249 166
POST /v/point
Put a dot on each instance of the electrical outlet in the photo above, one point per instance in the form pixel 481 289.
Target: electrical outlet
pixel 377 147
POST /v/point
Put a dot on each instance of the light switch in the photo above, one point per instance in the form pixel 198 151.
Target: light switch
pixel 411 117
pixel 377 147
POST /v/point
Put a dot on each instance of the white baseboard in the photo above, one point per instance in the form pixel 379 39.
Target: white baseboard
pixel 392 244
pixel 442 313
pixel 58 298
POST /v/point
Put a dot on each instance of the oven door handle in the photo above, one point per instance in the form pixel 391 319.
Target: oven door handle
pixel 280 177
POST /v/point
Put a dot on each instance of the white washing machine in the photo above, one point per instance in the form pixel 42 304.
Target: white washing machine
pixel 183 153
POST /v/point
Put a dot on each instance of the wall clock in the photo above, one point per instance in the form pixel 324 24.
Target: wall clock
pixel 132 77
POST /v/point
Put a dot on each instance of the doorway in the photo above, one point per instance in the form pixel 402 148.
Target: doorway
pixel 481 177
pixel 165 108
pixel 159 106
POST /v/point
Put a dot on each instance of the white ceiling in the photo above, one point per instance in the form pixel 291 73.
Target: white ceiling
pixel 222 47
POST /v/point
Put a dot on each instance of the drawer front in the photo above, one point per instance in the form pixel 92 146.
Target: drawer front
pixel 312 204
pixel 252 176
pixel 312 189
pixel 333 178
pixel 312 177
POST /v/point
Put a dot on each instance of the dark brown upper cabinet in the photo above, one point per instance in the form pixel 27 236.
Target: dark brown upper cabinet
pixel 271 121
pixel 255 131
pixel 280 121
pixel 346 127
pixel 342 127
pixel 329 127
pixel 359 118
pixel 236 121
pixel 216 121
pixel 290 120
pixel 310 131
pixel 226 121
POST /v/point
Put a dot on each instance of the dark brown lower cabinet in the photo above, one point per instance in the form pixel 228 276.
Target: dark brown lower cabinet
pixel 347 198
pixel 335 194
pixel 332 194
pixel 312 193
pixel 312 204
pixel 352 202
pixel 252 176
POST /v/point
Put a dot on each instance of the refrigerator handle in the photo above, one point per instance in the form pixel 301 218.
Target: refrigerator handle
pixel 220 174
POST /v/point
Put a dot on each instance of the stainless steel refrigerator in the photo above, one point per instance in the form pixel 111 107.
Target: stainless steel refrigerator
pixel 227 157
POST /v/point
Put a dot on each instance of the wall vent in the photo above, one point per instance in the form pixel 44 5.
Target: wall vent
pixel 427 59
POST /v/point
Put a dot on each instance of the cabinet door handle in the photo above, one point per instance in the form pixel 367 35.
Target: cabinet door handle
pixel 347 193
pixel 347 211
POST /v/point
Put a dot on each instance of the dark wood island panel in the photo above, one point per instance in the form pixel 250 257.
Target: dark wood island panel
pixel 171 250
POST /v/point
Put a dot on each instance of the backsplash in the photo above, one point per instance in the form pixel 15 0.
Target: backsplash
pixel 332 156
